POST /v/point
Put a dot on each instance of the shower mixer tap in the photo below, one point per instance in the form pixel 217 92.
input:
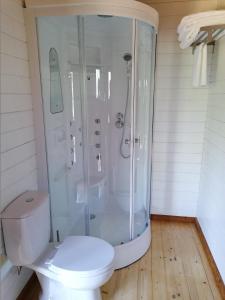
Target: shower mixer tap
pixel 127 141
pixel 120 120
pixel 119 115
pixel 136 141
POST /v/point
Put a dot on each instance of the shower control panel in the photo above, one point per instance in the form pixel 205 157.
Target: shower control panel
pixel 97 133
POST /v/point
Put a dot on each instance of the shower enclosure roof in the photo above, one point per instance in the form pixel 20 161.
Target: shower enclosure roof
pixel 124 8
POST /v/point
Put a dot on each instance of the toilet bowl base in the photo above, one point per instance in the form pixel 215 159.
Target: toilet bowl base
pixel 87 295
pixel 53 290
pixel 74 295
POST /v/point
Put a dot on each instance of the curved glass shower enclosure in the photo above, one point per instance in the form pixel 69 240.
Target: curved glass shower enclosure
pixel 97 96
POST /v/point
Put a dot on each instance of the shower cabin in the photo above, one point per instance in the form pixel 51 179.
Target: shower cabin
pixel 92 70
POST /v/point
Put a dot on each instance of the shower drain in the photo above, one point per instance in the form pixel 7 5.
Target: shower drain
pixel 92 216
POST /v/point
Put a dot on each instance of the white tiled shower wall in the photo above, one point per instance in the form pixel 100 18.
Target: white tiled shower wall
pixel 18 156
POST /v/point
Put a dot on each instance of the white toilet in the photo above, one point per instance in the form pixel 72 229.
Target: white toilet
pixel 72 270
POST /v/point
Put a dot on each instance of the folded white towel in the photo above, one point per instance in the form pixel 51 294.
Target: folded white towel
pixel 199 72
pixel 189 26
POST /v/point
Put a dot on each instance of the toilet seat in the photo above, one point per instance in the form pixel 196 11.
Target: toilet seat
pixel 80 264
pixel 82 256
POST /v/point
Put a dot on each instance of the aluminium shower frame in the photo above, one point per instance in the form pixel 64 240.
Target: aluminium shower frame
pixel 133 250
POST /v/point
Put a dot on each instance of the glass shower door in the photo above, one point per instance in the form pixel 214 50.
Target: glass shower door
pixel 108 66
pixel 59 53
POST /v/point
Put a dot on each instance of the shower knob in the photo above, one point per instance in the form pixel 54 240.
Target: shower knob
pixel 119 124
pixel 119 115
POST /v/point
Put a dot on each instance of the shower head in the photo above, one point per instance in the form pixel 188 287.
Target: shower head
pixel 127 57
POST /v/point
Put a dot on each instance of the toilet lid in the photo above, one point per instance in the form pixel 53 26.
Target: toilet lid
pixel 84 255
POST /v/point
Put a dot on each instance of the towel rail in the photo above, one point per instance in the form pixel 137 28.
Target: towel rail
pixel 209 35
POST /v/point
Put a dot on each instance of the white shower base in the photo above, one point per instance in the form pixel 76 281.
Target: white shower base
pixel 114 228
pixel 130 252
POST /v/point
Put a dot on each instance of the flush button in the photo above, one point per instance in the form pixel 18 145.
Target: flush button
pixel 29 200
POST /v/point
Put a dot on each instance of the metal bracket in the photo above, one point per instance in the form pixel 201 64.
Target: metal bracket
pixel 209 36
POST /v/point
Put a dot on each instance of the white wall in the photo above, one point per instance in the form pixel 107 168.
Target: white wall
pixel 18 161
pixel 211 208
pixel 181 133
pixel 180 113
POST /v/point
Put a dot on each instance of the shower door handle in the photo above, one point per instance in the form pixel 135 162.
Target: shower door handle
pixel 138 141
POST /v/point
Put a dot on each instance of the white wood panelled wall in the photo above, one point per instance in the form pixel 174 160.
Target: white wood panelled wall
pixel 18 155
pixel 18 167
pixel 180 114
pixel 211 207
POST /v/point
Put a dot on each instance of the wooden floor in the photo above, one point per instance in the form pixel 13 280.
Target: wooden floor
pixel 175 267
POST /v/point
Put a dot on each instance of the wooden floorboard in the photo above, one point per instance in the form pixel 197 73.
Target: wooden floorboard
pixel 175 267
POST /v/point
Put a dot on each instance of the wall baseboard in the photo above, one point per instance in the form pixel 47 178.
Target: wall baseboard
pixel 216 273
pixel 173 218
pixel 218 278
